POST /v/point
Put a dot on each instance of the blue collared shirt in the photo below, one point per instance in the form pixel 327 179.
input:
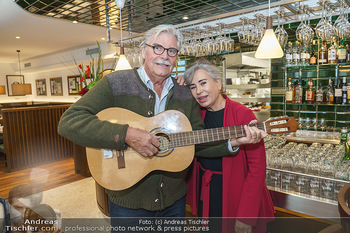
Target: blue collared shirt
pixel 160 102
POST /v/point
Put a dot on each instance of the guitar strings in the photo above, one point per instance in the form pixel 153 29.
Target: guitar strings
pixel 208 135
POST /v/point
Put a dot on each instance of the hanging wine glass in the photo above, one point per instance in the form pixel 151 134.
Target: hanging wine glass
pixel 342 24
pixel 281 34
pixel 259 30
pixel 242 34
pixel 304 32
pixel 324 29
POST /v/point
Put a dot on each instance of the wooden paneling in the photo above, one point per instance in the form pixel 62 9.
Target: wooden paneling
pixel 31 138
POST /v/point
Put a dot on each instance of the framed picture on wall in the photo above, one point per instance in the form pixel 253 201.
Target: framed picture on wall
pixel 40 87
pixel 74 85
pixel 56 86
pixel 13 79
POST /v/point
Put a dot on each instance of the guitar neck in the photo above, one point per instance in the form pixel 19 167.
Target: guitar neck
pixel 209 135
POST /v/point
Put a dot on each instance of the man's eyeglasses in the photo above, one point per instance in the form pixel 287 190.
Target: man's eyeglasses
pixel 159 50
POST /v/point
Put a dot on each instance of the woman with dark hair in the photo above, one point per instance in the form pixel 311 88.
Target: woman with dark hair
pixel 231 186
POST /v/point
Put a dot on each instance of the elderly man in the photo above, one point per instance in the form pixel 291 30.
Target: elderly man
pixel 146 91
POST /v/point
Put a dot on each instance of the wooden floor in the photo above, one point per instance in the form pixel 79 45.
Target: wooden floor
pixel 60 173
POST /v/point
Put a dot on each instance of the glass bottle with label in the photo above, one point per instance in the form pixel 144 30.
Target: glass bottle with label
pixel 289 54
pixel 303 56
pixel 344 92
pixel 323 54
pixel 332 54
pixel 307 54
pixel 313 57
pixel 310 93
pixel 338 92
pixel 298 97
pixel 289 91
pixel 330 93
pixel 344 142
pixel 348 93
pixel 320 94
pixel 341 52
pixel 296 53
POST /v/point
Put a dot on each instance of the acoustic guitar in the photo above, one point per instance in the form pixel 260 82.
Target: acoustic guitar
pixel 119 170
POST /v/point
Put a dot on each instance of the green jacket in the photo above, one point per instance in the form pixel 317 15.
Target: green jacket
pixel 124 89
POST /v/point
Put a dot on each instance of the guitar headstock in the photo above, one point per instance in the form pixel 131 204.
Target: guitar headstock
pixel 279 125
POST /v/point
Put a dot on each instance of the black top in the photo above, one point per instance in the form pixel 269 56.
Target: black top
pixel 213 119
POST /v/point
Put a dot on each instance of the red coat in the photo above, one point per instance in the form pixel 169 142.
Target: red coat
pixel 245 195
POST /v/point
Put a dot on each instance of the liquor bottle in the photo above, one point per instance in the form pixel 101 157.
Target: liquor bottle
pixel 296 54
pixel 323 54
pixel 344 92
pixel 338 92
pixel 298 97
pixel 289 91
pixel 348 93
pixel 330 93
pixel 303 56
pixel 307 53
pixel 332 54
pixel 320 94
pixel 313 57
pixel 310 93
pixel 341 52
pixel 289 54
pixel 344 142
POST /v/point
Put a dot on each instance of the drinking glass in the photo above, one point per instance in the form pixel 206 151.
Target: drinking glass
pixel 327 189
pixel 287 182
pixel 275 179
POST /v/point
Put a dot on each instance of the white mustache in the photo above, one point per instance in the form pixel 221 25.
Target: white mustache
pixel 162 62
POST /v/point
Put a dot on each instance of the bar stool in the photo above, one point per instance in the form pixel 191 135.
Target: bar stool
pixel 343 206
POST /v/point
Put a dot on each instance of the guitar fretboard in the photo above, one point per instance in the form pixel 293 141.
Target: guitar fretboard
pixel 208 135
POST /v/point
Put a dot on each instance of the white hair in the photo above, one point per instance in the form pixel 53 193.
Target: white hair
pixel 163 28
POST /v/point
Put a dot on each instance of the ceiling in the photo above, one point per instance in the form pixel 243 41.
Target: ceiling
pixel 46 26
pixel 137 15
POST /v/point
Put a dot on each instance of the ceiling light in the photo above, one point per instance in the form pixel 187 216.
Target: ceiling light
pixel 120 3
pixel 18 37
pixel 21 88
pixel 122 63
pixel 185 17
pixel 269 46
pixel 74 21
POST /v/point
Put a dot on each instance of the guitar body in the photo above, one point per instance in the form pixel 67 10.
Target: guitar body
pixel 105 171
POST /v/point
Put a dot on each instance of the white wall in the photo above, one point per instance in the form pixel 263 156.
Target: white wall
pixel 60 64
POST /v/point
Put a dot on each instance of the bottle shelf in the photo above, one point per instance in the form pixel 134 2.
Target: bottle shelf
pixel 331 66
pixel 250 99
pixel 329 105
pixel 248 86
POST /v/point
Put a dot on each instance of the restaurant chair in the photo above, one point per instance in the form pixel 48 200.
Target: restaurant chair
pixel 343 206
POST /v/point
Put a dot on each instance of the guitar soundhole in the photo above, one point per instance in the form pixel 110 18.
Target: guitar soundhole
pixel 164 143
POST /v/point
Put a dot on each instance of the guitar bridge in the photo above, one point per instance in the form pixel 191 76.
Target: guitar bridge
pixel 120 158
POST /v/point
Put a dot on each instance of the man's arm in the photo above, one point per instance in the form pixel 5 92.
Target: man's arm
pixel 81 125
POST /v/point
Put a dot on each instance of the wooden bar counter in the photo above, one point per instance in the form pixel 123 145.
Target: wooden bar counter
pixel 31 137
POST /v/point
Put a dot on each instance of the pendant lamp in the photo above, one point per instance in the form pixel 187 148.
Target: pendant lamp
pixel 122 63
pixel 21 88
pixel 269 46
